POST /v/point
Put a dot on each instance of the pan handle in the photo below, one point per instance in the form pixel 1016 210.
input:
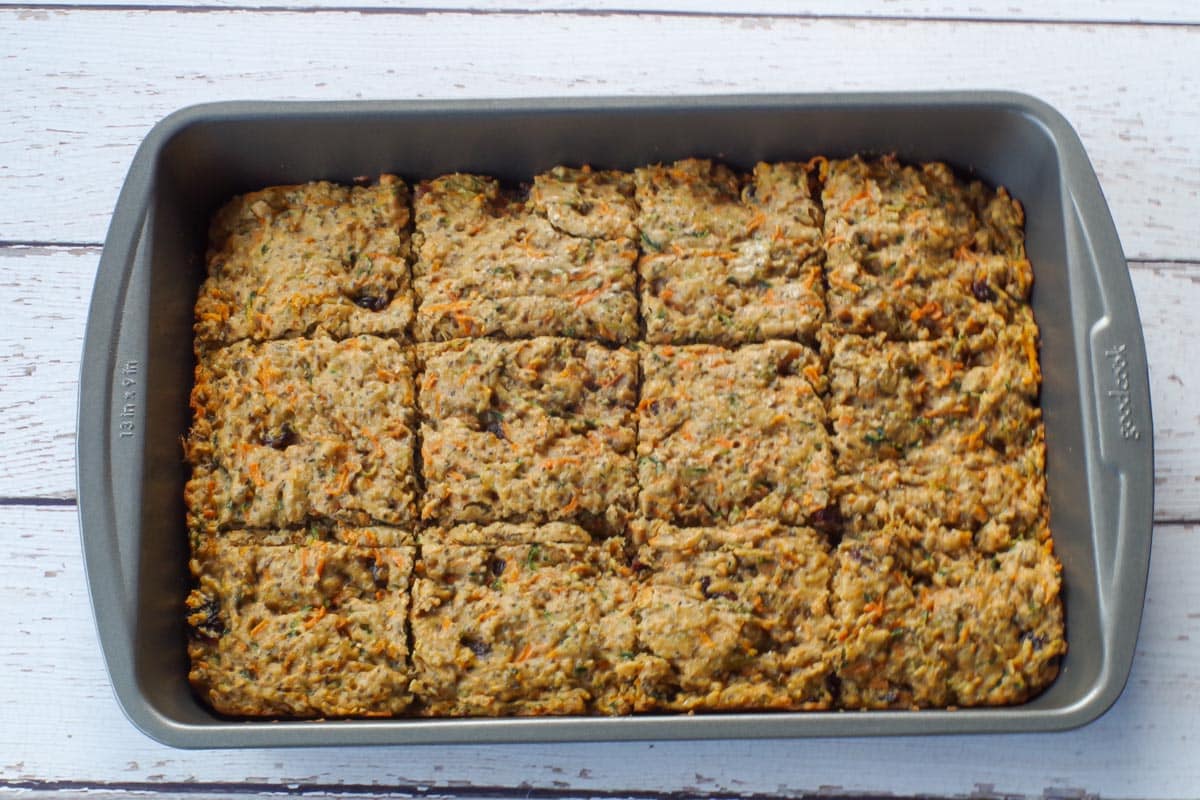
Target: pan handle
pixel 109 429
pixel 1123 466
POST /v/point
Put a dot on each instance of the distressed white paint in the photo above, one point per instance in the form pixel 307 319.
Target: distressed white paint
pixel 61 722
pixel 1113 11
pixel 82 87
pixel 44 295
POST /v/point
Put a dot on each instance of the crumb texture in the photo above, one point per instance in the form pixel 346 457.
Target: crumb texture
pixel 679 438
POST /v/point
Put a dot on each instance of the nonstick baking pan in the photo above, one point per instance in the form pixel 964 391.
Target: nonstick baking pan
pixel 137 366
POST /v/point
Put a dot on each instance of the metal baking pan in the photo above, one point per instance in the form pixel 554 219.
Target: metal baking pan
pixel 137 366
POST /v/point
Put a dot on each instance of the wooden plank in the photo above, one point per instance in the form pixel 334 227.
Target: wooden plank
pixel 62 723
pixel 45 293
pixel 1116 11
pixel 44 297
pixel 1167 297
pixel 64 152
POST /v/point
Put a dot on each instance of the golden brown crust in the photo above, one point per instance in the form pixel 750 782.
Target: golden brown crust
pixel 733 618
pixel 299 630
pixel 530 431
pixel 726 259
pixel 725 435
pixel 925 629
pixel 308 259
pixel 299 430
pixel 488 264
pixel 599 525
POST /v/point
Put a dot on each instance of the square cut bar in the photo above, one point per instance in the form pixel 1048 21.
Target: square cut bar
pixel 980 497
pixel 300 628
pixel 521 620
pixel 727 259
pixel 734 618
pixel 532 431
pixel 926 629
pixel 887 398
pixel 298 260
pixel 300 430
pixel 561 263
pixel 915 253
pixel 726 435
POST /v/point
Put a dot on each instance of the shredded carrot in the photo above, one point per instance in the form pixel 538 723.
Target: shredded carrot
pixel 822 164
pixel 570 507
pixel 581 298
pixel 1031 354
pixel 858 198
pixel 256 474
pixel 932 309
pixel 841 283
pixel 756 222
pixel 259 628
pixel 524 654
pixel 555 463
pixel 315 618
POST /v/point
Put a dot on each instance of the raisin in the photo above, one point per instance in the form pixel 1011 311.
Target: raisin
pixel 497 566
pixel 705 583
pixel 828 520
pixel 372 302
pixel 983 293
pixel 583 207
pixel 281 439
pixel 207 619
pixel 493 422
pixel 476 646
pixel 379 573
pixel 1036 641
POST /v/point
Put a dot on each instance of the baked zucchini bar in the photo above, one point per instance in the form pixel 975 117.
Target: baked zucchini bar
pixel 726 435
pixel 919 628
pixel 300 627
pixel 532 431
pixel 299 430
pixel 519 619
pixel 733 617
pixel 494 263
pixel 317 258
pixel 917 254
pixel 728 259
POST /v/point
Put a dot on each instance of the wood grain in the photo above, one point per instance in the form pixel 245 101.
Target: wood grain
pixel 62 722
pixel 1115 11
pixel 46 291
pixel 74 113
pixel 84 81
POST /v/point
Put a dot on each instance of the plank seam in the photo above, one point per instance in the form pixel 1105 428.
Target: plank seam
pixel 523 790
pixel 55 502
pixel 5 243
pixel 581 12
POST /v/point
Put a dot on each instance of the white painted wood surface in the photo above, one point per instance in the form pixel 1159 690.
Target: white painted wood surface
pixel 61 722
pixel 39 362
pixel 74 110
pixel 1119 11
pixel 82 85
